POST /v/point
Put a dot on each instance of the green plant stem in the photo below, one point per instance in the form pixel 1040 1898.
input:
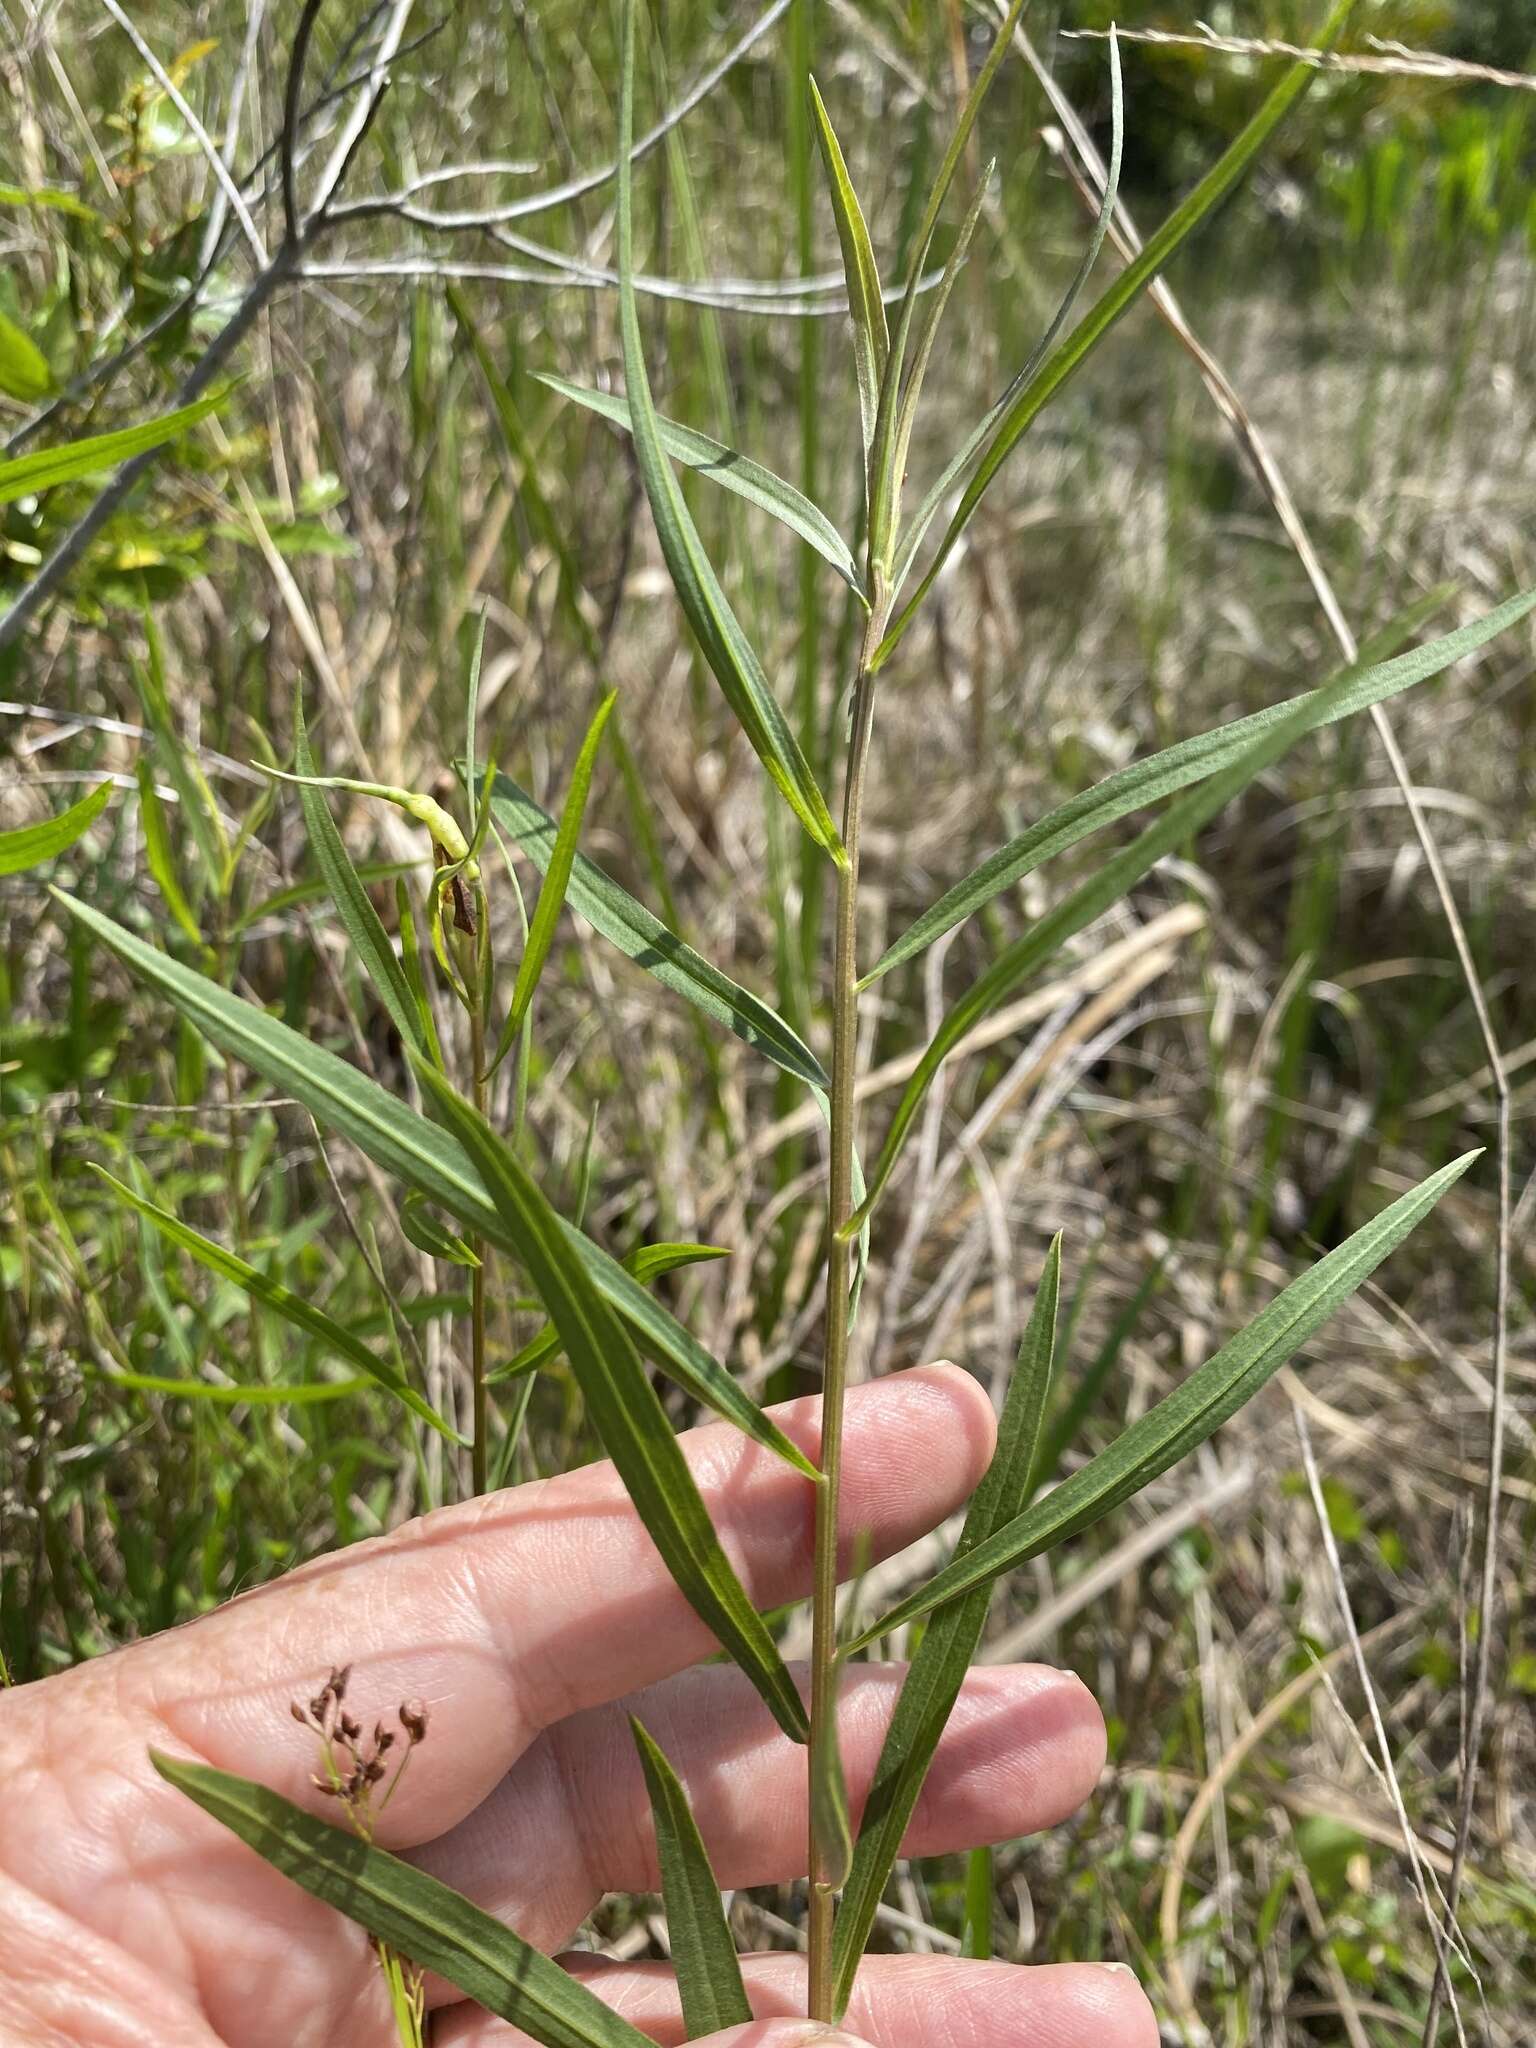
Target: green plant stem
pixel 840 1205
pixel 480 1449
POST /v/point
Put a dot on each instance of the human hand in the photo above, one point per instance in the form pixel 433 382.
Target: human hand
pixel 531 1623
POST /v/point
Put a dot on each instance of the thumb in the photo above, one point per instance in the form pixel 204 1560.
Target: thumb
pixel 781 2034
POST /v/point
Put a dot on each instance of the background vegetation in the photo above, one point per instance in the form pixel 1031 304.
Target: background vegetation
pixel 1266 1040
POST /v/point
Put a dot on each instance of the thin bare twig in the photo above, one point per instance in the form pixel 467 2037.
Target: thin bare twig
pixel 1384 59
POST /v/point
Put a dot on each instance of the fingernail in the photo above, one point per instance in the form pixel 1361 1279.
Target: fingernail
pixel 1116 1969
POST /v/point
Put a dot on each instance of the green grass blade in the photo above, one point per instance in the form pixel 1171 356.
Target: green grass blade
pixel 29 846
pixel 1071 353
pixel 416 1915
pixel 965 455
pixel 1175 768
pixel 158 857
pixel 703 1953
pixel 1186 1417
pixel 646 1262
pixel 725 646
pixel 25 474
pixel 866 301
pixel 733 472
pixel 364 928
pixel 1118 874
pixel 557 875
pixel 418 1154
pixel 272 1294
pixel 625 1409
pixel 938 1670
pixel 643 938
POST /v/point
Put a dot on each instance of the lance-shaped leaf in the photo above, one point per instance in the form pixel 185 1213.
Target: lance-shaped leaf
pixel 557 875
pixel 938 1670
pixel 625 1409
pixel 1185 1418
pixel 647 1262
pixel 23 475
pixel 1071 353
pixel 420 1155
pixel 419 1917
pixel 885 473
pixel 703 1953
pixel 29 846
pixel 363 925
pixel 961 460
pixel 158 856
pixel 725 646
pixel 643 938
pixel 272 1294
pixel 1176 767
pixel 733 472
pixel 866 301
pixel 1119 873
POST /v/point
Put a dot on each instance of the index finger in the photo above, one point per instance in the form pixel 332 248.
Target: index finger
pixel 507 1613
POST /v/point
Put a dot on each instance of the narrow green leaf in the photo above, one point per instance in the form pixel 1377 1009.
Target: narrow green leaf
pixel 363 925
pixel 297 894
pixel 885 474
pixel 1069 355
pixel 30 846
pixel 938 1670
pixel 722 465
pixel 703 1953
pixel 158 856
pixel 25 474
pixel 428 1235
pixel 291 1393
pixel 48 196
pixel 24 371
pixel 416 1915
pixel 646 1262
pixel 420 1155
pixel 293 1308
pixel 960 462
pixel 932 319
pixel 643 938
pixel 199 810
pixel 1091 899
pixel 1176 767
pixel 866 301
pixel 831 1827
pixel 725 646
pixel 625 1409
pixel 557 875
pixel 1185 1418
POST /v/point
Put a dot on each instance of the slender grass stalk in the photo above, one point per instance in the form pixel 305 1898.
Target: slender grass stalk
pixel 840 1206
pixel 479 1456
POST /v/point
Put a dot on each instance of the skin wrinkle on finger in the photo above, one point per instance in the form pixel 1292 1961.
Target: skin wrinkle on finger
pixel 529 1607
pixel 899 2001
pixel 1023 1749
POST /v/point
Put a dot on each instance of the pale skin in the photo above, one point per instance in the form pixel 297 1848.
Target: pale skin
pixel 531 1623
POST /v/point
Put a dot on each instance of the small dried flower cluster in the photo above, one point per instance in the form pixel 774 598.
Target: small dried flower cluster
pixel 351 1767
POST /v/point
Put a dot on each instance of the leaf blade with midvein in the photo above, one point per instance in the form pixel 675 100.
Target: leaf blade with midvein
pixel 419 1154
pixel 28 846
pixel 1176 767
pixel 418 1916
pixel 625 1409
pixel 703 1954
pixel 938 1670
pixel 1185 1418
pixel 725 646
